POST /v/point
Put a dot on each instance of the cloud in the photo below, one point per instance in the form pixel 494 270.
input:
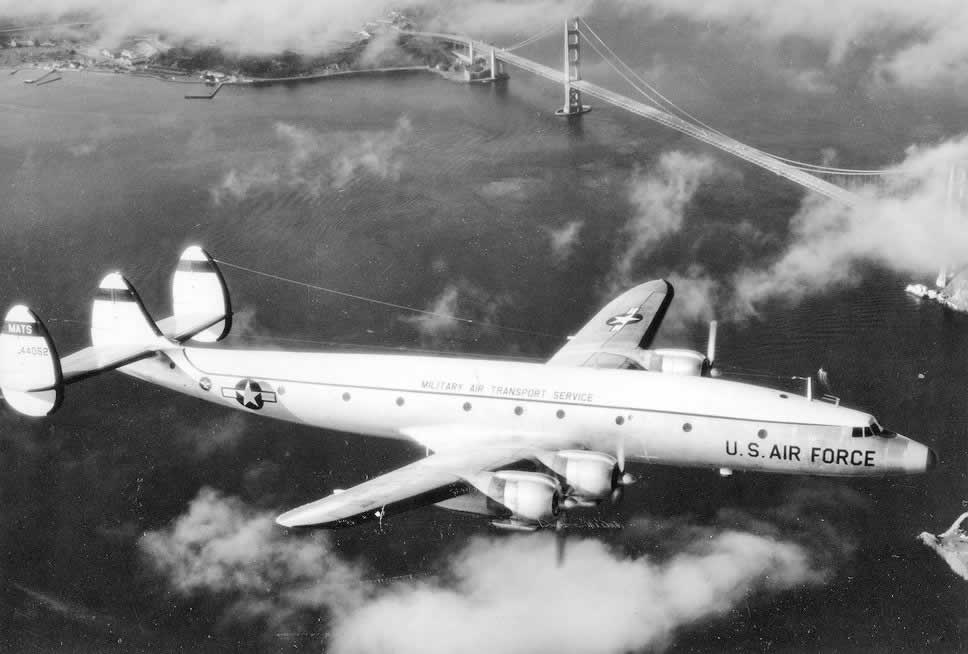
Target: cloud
pixel 314 162
pixel 459 307
pixel 440 318
pixel 695 300
pixel 82 149
pixel 923 42
pixel 659 199
pixel 510 188
pixel 218 435
pixel 507 593
pixel 564 239
pixel 251 27
pixel 906 224
pixel 223 547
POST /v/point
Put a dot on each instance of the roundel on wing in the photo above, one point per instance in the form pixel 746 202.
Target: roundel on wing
pixel 629 317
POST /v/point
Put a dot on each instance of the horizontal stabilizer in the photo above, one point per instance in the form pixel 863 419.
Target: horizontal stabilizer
pixel 200 299
pixel 30 371
pixel 182 328
pixel 100 358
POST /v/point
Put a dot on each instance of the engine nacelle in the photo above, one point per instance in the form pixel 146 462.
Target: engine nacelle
pixel 589 476
pixel 530 497
pixel 678 362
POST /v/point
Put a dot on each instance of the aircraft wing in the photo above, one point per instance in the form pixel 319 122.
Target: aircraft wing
pixel 627 323
pixel 436 478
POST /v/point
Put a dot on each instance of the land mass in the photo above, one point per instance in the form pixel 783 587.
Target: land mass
pixel 952 546
pixel 380 45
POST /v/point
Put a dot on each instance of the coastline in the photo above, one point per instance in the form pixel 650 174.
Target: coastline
pixel 191 79
pixel 389 70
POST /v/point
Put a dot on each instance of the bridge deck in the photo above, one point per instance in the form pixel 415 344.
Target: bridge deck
pixel 725 143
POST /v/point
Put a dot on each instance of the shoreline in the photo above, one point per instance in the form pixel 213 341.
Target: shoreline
pixel 389 70
pixel 190 78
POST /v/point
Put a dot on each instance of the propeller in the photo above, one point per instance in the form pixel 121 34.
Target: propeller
pixel 711 349
pixel 620 478
pixel 561 534
pixel 824 378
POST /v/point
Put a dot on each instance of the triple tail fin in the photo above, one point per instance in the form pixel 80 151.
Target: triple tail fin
pixel 30 370
pixel 32 376
pixel 200 300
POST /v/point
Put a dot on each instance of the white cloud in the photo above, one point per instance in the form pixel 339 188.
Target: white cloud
pixel 248 26
pixel 460 307
pixel 507 593
pixel 217 435
pixel 440 319
pixel 906 225
pixel 314 162
pixel 564 239
pixel 697 296
pixel 224 547
pixel 924 40
pixel 659 198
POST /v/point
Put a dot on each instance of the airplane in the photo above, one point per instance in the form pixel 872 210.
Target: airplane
pixel 517 442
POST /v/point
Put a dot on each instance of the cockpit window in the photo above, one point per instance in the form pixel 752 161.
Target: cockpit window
pixel 874 429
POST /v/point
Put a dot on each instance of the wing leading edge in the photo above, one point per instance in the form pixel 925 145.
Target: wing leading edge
pixel 433 479
pixel 627 323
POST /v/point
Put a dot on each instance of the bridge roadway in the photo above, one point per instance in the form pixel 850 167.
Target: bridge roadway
pixel 715 139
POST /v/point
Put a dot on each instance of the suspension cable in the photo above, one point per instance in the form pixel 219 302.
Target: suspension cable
pixel 531 39
pixel 623 75
pixel 677 109
pixel 391 305
pixel 840 171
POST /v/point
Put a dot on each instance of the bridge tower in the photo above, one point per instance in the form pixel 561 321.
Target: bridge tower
pixel 497 67
pixel 573 105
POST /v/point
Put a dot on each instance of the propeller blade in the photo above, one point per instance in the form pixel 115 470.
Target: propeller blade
pixel 617 494
pixel 560 535
pixel 620 454
pixel 824 378
pixel 711 343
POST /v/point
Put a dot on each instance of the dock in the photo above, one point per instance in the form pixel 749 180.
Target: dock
pixel 218 87
pixel 42 77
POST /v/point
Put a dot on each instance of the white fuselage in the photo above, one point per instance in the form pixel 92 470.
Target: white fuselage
pixel 446 403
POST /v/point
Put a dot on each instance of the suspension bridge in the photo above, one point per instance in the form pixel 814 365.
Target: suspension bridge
pixel 658 109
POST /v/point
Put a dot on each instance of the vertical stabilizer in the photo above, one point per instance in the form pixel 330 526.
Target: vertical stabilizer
pixel 30 372
pixel 199 295
pixel 118 316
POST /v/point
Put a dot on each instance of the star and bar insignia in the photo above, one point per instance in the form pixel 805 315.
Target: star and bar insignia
pixel 249 394
pixel 629 317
